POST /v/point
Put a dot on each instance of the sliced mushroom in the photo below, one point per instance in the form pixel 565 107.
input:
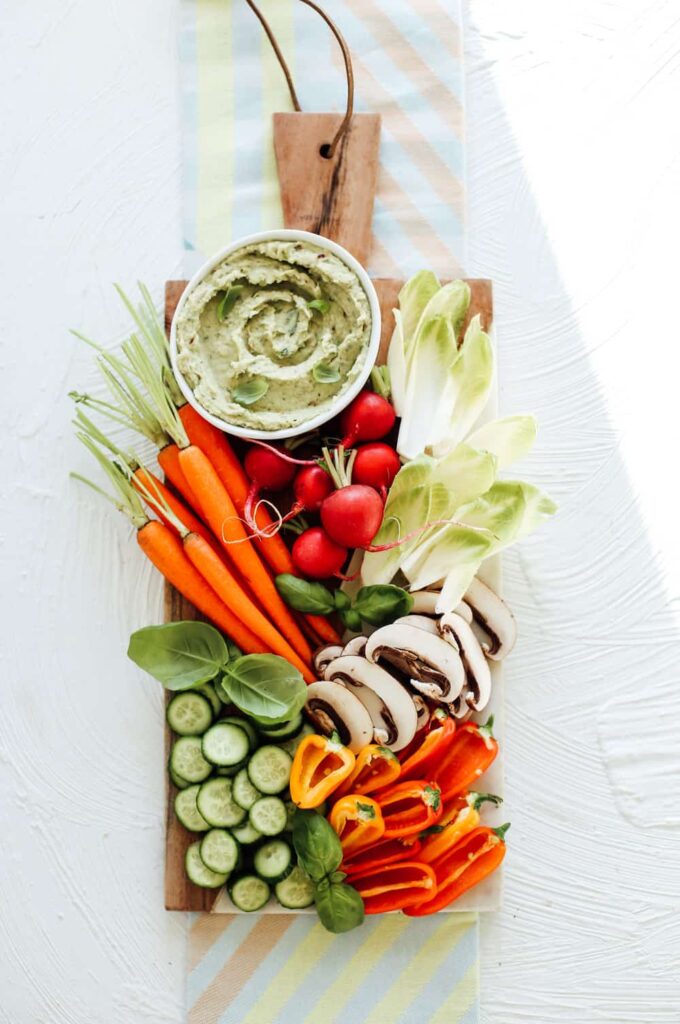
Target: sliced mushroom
pixel 425 602
pixel 389 704
pixel 477 688
pixel 355 646
pixel 433 665
pixel 495 618
pixel 332 708
pixel 324 656
pixel 422 710
pixel 465 611
pixel 420 621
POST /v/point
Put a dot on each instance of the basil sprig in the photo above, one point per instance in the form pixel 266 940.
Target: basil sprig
pixel 377 605
pixel 339 906
pixel 183 655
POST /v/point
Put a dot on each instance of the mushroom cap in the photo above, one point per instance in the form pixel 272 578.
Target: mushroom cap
pixel 324 655
pixel 419 621
pixel 495 618
pixel 389 704
pixel 433 665
pixel 332 707
pixel 457 631
pixel 424 602
pixel 355 646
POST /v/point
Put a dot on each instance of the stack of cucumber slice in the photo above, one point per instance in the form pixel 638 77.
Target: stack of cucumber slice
pixel 232 781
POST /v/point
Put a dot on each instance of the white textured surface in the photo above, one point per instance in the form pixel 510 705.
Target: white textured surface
pixel 574 151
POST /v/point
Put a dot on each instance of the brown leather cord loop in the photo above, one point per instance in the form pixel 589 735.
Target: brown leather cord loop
pixel 329 150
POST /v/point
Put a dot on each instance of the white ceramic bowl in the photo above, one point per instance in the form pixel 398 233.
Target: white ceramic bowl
pixel 343 400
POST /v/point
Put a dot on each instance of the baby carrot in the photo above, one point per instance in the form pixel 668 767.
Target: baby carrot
pixel 164 549
pixel 214 571
pixel 224 521
pixel 149 486
pixel 168 460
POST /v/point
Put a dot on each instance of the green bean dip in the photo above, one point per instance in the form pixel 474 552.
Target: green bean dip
pixel 273 335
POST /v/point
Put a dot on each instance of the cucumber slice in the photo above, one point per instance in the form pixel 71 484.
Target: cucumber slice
pixel 284 731
pixel 273 861
pixel 198 873
pixel 249 893
pixel 292 744
pixel 290 813
pixel 296 891
pixel 216 804
pixel 225 744
pixel 269 769
pixel 187 761
pixel 245 793
pixel 247 726
pixel 207 690
pixel 246 834
pixel 268 815
pixel 189 714
pixel 187 812
pixel 177 780
pixel 219 851
pixel 233 769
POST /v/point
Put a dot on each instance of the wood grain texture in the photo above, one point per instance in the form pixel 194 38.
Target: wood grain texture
pixel 332 197
pixel 180 893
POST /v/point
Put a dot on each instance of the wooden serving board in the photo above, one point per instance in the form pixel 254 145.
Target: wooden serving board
pixel 180 893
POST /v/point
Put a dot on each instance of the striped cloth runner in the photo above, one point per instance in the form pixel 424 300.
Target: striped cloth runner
pixel 407 54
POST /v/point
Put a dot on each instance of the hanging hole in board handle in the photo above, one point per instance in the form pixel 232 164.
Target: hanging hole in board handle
pixel 327 150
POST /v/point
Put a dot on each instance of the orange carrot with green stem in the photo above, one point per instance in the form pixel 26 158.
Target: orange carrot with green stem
pixel 227 526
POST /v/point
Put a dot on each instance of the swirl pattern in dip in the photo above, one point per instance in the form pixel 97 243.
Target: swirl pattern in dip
pixel 273 334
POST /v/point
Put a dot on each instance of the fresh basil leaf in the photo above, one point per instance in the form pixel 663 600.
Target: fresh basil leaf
pixel 228 300
pixel 179 654
pixel 382 603
pixel 319 305
pixel 316 844
pixel 324 373
pixel 250 391
pixel 303 596
pixel 341 600
pixel 340 907
pixel 351 619
pixel 266 686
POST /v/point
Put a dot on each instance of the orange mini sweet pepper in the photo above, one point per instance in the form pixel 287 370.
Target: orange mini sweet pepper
pixel 455 823
pixel 471 751
pixel 466 864
pixel 375 768
pixel 395 886
pixel 358 822
pixel 410 807
pixel 422 763
pixel 319 766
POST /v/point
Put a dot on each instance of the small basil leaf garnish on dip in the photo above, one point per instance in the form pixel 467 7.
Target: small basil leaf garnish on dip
pixel 250 391
pixel 319 305
pixel 228 300
pixel 323 373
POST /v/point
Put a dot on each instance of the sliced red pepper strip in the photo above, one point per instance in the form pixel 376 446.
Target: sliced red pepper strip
pixel 358 821
pixel 375 768
pixel 319 766
pixel 464 866
pixel 471 751
pixel 382 853
pixel 394 886
pixel 423 762
pixel 409 807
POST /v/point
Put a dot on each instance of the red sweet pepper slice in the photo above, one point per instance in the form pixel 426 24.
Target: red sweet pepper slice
pixel 463 866
pixel 394 886
pixel 459 819
pixel 375 768
pixel 382 853
pixel 422 763
pixel 409 807
pixel 471 751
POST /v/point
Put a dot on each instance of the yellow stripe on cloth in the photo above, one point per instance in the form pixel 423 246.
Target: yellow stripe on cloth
pixel 215 123
pixel 275 97
pixel 368 953
pixel 420 969
pixel 283 985
pixel 458 1001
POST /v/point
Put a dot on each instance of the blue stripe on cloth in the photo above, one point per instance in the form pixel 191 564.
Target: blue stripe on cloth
pixel 218 954
pixel 445 979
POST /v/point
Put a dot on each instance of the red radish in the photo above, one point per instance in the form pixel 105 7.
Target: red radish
pixel 376 465
pixel 352 515
pixel 312 485
pixel 316 555
pixel 368 418
pixel 267 471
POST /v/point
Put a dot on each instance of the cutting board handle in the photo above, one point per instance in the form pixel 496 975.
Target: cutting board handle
pixel 332 196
